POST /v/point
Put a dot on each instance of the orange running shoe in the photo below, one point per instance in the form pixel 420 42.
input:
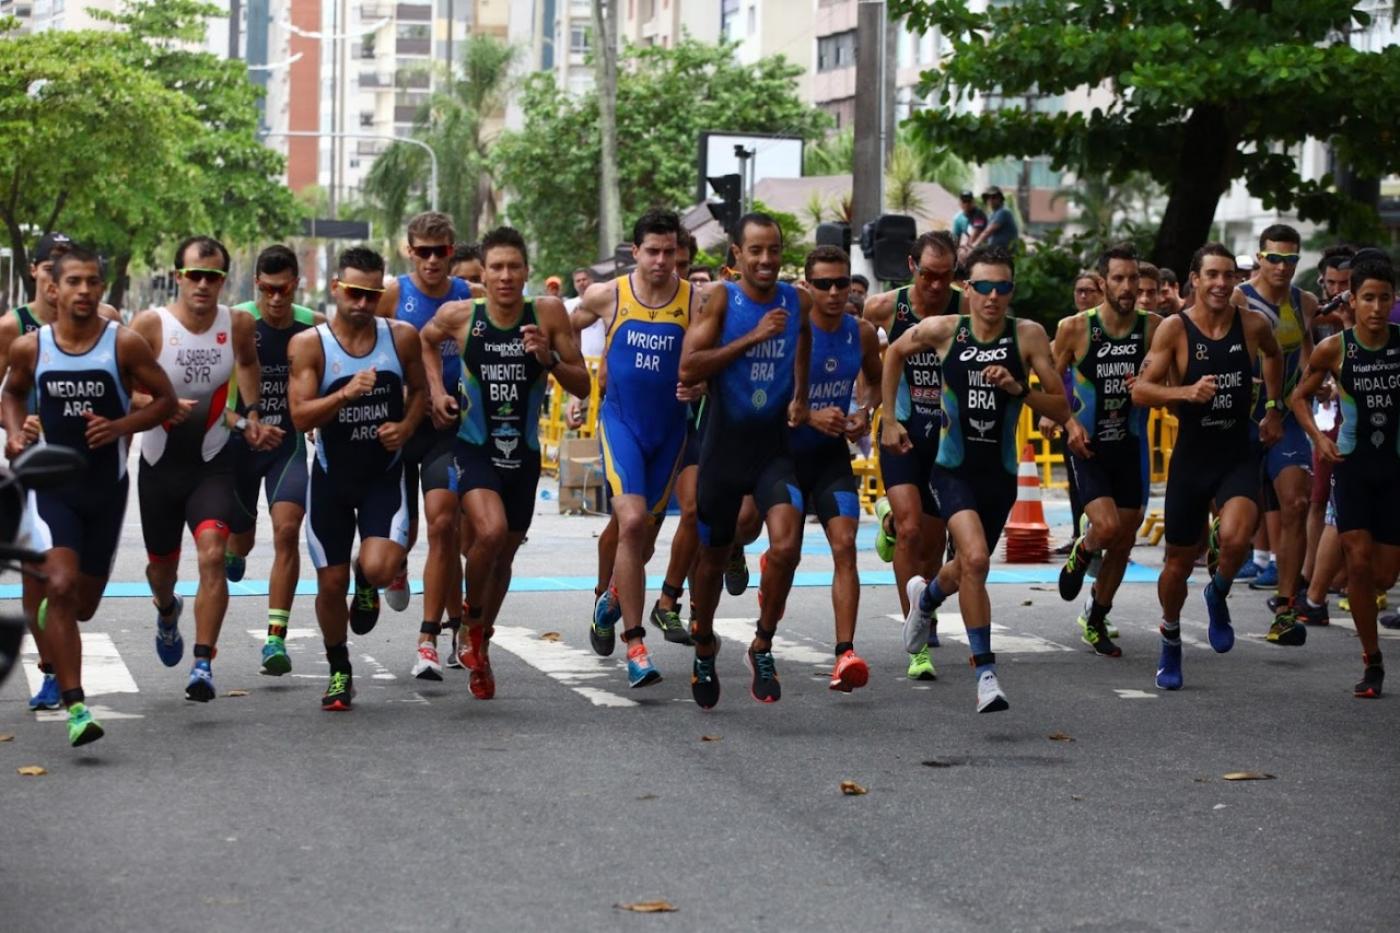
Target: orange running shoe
pixel 474 658
pixel 849 673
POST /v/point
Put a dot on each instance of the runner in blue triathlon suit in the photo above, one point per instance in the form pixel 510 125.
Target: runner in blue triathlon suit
pixel 508 344
pixel 843 348
pixel 427 457
pixel 358 383
pixel 279 466
pixel 81 368
pixel 1365 361
pixel 1202 362
pixel 987 358
pixel 751 341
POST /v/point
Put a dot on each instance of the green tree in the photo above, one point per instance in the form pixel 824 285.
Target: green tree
pixel 665 98
pixel 1203 93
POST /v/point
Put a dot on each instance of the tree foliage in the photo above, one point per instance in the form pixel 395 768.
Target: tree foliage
pixel 1203 93
pixel 665 98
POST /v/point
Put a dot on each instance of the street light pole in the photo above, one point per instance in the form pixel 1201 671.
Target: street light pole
pixel 432 156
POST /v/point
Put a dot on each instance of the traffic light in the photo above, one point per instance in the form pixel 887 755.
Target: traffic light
pixel 886 242
pixel 730 208
pixel 834 234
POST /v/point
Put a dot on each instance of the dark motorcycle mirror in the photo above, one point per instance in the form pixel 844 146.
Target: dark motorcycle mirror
pixel 47 466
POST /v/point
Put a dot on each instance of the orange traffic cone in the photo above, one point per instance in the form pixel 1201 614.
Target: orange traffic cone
pixel 1027 534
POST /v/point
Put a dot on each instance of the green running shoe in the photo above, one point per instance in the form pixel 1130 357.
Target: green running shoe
pixel 884 543
pixel 82 728
pixel 921 666
pixel 1097 637
pixel 275 661
pixel 1076 566
pixel 669 621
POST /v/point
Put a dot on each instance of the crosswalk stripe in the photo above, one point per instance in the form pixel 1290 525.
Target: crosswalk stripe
pixel 950 626
pixel 104 671
pixel 784 649
pixel 572 667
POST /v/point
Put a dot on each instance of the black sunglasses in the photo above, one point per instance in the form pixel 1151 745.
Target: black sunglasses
pixel 983 287
pixel 426 252
pixel 826 285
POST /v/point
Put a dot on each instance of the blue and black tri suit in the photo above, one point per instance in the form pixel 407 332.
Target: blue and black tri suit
pixel 1216 457
pixel 976 465
pixel 1293 447
pixel 427 456
pixel 641 423
pixel 918 407
pixel 1363 484
pixel 85 514
pixel 282 471
pixel 745 449
pixel 823 463
pixel 498 439
pixel 357 485
pixel 1100 385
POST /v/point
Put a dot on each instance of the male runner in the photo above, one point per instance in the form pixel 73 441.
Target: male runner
pixel 466 263
pixel 187 466
pixel 1102 349
pixel 279 466
pixel 509 343
pixel 358 382
pixel 1149 295
pixel 986 358
pixel 751 341
pixel 1287 463
pixel 843 348
pixel 21 320
pixel 919 532
pixel 82 368
pixel 1365 361
pixel 427 457
pixel 641 422
pixel 1202 361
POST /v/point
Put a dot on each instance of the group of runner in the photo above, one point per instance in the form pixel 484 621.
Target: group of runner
pixel 739 396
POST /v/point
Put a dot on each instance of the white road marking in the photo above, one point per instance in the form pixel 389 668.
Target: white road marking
pixel 1135 694
pixel 784 649
pixel 950 626
pixel 572 667
pixel 104 671
pixel 1346 623
pixel 292 634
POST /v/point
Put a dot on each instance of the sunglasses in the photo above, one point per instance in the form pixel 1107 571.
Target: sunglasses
pixel 987 288
pixel 1288 259
pixel 274 291
pixel 360 292
pixel 428 252
pixel 203 275
pixel 826 285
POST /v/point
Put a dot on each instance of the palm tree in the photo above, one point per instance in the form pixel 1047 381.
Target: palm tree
pixel 902 182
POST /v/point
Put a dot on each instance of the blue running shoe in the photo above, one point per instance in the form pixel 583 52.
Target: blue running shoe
pixel 170 647
pixel 1266 579
pixel 606 611
pixel 1221 635
pixel 234 566
pixel 640 670
pixel 1248 571
pixel 48 696
pixel 201 685
pixel 1169 667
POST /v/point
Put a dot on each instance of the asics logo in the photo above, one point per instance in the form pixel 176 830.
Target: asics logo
pixel 983 356
pixel 1116 349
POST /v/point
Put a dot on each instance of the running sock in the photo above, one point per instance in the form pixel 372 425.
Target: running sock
pixel 76 695
pixel 168 609
pixel 204 653
pixel 1221 583
pixel 932 598
pixel 1171 633
pixel 453 623
pixel 843 646
pixel 430 628
pixel 338 656
pixel 473 612
pixel 980 641
pixel 1261 559
pixel 1313 605
pixel 1097 611
pixel 277 623
pixel 45 667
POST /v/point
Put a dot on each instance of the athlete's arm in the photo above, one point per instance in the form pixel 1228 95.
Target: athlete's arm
pixel 871 372
pixel 597 304
pixel 1152 387
pixel 1323 362
pixel 554 336
pixel 108 313
pixel 1259 331
pixel 802 374
pixel 389 301
pixel 450 322
pixel 248 372
pixel 308 410
pixel 701 358
pixel 928 334
pixel 879 310
pixel 14 404
pixel 146 324
pixel 1048 398
pixel 689 393
pixel 1308 313
pixel 138 367
pixel 9 333
pixel 394 434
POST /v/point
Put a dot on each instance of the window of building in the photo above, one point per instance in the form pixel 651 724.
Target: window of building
pixel 728 14
pixel 579 37
pixel 753 19
pixel 836 51
pixel 414 31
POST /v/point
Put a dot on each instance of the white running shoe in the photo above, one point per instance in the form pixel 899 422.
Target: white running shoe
pixel 918 622
pixel 397 593
pixel 427 667
pixel 990 698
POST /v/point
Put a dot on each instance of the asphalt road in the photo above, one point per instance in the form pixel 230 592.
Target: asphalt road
pixel 1095 802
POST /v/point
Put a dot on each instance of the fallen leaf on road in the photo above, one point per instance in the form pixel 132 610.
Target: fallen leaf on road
pixel 1248 776
pixel 6 737
pixel 648 907
pixel 1218 806
pixel 1026 602
pixel 852 789
pixel 1060 737
pixel 32 770
pixel 710 738
pixel 1202 780
pixel 647 797
pixel 1075 797
pixel 236 693
pixel 935 763
pixel 550 636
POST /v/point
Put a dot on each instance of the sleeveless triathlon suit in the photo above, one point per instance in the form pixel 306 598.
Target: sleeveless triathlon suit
pixel 1117 429
pixel 1293 448
pixel 1363 485
pixel 823 463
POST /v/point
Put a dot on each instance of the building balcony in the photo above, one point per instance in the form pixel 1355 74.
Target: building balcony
pixel 413 46
pixel 414 12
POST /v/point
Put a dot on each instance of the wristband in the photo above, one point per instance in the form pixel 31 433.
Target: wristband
pixel 1272 405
